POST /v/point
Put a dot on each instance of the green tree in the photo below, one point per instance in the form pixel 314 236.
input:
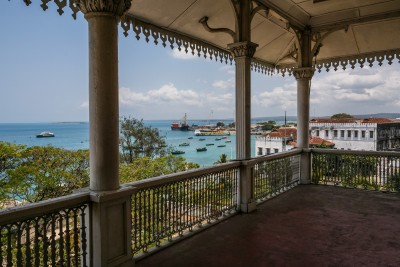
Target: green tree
pixel 47 172
pixel 223 158
pixel 341 115
pixel 138 140
pixel 220 124
pixel 145 167
pixel 268 126
pixel 10 157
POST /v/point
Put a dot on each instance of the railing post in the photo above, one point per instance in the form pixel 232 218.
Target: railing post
pixel 110 228
pixel 246 188
pixel 305 166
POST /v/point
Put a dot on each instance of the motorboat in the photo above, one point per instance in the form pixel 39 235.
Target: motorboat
pixel 177 152
pixel 45 134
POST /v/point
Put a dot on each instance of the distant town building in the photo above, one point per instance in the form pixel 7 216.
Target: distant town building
pixel 377 134
pixel 275 141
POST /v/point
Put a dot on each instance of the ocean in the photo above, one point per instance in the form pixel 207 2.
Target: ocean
pixel 76 136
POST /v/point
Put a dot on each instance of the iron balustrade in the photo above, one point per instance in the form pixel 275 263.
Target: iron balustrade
pixel 169 207
pixel 358 169
pixel 274 174
pixel 46 233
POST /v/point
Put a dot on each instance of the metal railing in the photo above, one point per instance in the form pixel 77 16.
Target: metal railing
pixel 168 207
pixel 358 169
pixel 275 174
pixel 47 233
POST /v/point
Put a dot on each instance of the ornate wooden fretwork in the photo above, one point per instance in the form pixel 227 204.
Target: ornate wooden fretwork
pixel 262 67
pixel 175 40
pixel 116 7
pixel 361 60
pixel 199 47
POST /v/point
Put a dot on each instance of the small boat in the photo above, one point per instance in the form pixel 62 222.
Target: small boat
pixel 228 141
pixel 190 137
pixel 222 146
pixel 177 152
pixel 217 139
pixel 209 144
pixel 202 139
pixel 45 134
pixel 184 144
pixel 201 149
pixel 223 137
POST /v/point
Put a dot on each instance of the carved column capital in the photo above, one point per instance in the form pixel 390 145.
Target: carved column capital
pixel 113 7
pixel 303 73
pixel 242 49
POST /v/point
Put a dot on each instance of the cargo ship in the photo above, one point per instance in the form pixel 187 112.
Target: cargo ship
pixel 180 125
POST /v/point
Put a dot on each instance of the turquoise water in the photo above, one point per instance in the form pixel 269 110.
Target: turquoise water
pixel 76 136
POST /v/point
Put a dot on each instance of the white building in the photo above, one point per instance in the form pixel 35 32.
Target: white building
pixel 275 142
pixel 358 134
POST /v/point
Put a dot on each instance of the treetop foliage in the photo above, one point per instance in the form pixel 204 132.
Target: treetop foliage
pixel 341 115
pixel 138 140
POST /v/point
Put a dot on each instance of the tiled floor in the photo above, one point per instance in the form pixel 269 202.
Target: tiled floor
pixel 306 226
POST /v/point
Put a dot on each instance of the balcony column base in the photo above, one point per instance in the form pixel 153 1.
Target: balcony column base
pixel 247 202
pixel 110 228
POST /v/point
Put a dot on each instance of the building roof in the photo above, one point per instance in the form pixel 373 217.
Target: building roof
pixel 352 120
pixel 314 141
pixel 283 132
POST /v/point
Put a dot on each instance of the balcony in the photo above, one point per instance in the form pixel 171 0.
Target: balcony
pixel 310 225
pixel 206 210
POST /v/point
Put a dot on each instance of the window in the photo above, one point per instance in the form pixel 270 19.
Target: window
pixel 342 133
pixel 326 133
pixel 349 134
pixel 268 151
pixel 362 134
pixel 371 134
pixel 317 133
pixel 276 150
pixel 355 134
pixel 259 151
pixel 335 133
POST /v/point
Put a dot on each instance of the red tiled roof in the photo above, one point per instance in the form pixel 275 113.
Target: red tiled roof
pixel 351 120
pixel 284 132
pixel 315 141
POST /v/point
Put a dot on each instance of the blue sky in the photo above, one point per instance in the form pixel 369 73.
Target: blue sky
pixel 44 77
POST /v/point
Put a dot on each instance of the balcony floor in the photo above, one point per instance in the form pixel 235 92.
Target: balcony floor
pixel 306 226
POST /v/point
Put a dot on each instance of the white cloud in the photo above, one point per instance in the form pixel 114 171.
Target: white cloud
pixel 229 69
pixel 182 54
pixel 224 84
pixel 280 98
pixel 167 93
pixel 85 104
pixel 130 98
pixel 168 101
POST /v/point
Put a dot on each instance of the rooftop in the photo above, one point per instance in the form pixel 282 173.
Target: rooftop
pixel 352 120
pixel 306 226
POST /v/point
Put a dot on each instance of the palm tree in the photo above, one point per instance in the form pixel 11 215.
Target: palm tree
pixel 223 158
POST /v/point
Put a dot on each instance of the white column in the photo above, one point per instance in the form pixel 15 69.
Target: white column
pixel 109 219
pixel 303 77
pixel 243 52
pixel 103 101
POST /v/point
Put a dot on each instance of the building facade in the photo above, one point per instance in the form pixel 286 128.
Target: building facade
pixel 375 134
pixel 276 141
